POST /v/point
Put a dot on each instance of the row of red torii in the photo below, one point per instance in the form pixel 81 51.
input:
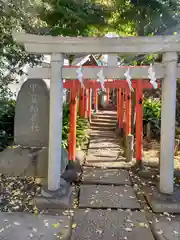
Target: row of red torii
pixel 59 47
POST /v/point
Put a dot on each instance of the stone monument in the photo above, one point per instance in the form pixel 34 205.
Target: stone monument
pixel 29 154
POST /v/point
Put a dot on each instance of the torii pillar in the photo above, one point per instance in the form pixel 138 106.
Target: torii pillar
pixel 168 114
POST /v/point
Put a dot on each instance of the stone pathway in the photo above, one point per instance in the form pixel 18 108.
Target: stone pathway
pixel 108 205
pixel 111 202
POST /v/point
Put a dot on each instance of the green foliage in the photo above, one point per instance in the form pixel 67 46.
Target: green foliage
pixel 152 114
pixel 7 110
pixel 73 18
pixel 14 15
pixel 81 129
pixel 147 17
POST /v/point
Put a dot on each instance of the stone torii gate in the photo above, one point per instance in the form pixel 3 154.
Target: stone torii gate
pixel 57 47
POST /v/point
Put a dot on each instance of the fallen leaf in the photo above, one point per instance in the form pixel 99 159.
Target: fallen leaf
pixel 74 225
pixel 56 225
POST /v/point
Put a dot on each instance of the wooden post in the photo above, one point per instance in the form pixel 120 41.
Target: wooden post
pixel 89 104
pixel 139 121
pixel 108 95
pixel 120 125
pixel 121 109
pixel 72 128
pixel 55 122
pixel 118 107
pixel 85 103
pixel 81 103
pixel 95 100
pixel 124 111
pixel 128 111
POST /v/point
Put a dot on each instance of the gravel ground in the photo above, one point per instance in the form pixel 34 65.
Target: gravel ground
pixel 16 194
pixel 151 154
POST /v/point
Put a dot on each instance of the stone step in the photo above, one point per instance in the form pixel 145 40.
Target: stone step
pixel 105 176
pixel 101 138
pixel 105 196
pixel 21 226
pixel 110 225
pixel 103 125
pixel 105 120
pixel 104 117
pixel 104 128
pixel 104 145
pixel 110 164
pixel 101 134
pixel 93 158
pixel 103 153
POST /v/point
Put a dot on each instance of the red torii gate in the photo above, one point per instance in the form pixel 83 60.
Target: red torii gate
pixel 123 96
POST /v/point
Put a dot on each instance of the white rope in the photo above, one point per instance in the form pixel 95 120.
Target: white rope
pixel 152 77
pixel 128 79
pixel 80 76
pixel 101 78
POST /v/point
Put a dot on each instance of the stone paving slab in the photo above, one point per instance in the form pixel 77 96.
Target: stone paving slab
pixel 162 203
pixel 103 152
pixel 102 139
pixel 107 225
pixel 106 176
pixel 105 196
pixel 104 144
pixel 106 162
pixel 166 229
pixel 22 226
pixel 99 135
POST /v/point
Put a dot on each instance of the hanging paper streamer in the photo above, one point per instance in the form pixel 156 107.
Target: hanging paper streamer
pixel 80 76
pixel 128 79
pixel 152 77
pixel 101 78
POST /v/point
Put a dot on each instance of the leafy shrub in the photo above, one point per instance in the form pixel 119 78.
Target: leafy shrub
pixel 81 128
pixel 152 114
pixel 65 128
pixel 81 131
pixel 7 111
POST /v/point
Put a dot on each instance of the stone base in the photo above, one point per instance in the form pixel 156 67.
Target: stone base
pixel 160 202
pixel 21 226
pixel 120 132
pixel 26 161
pixel 60 199
pixel 129 149
pixel 138 165
pixel 73 172
pixel 80 156
pixel 166 228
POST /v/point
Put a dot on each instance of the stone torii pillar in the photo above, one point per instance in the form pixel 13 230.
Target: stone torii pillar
pixel 55 122
pixel 168 113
